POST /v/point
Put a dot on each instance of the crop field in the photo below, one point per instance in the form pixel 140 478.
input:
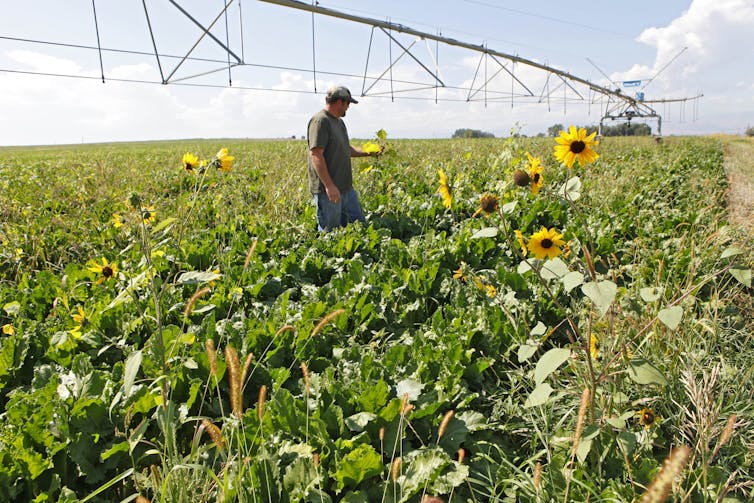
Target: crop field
pixel 504 328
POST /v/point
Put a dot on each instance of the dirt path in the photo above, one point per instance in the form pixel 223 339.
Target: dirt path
pixel 739 166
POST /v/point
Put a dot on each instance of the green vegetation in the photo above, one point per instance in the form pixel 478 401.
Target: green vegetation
pixel 471 133
pixel 187 335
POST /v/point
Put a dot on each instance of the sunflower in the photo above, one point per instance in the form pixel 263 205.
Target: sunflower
pixel 521 241
pixel 190 162
pixel 488 289
pixel 105 269
pixel 80 316
pixel 535 173
pixel 488 204
pixel 118 220
pixel 148 214
pixel 8 329
pixel 546 243
pixel 594 346
pixel 224 161
pixel 371 147
pixel 462 272
pixel 444 190
pixel 576 146
pixel 647 417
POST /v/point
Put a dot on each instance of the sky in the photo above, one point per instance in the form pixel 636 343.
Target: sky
pixel 51 89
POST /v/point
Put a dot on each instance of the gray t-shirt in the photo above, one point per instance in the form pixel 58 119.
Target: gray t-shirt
pixel 329 133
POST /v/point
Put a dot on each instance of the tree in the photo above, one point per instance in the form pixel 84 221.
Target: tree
pixel 555 130
pixel 472 133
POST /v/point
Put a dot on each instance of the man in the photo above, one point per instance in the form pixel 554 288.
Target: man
pixel 330 172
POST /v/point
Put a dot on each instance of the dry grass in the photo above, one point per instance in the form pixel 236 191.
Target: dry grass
pixel 739 166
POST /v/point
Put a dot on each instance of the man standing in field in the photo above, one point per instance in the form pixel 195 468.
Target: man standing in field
pixel 330 172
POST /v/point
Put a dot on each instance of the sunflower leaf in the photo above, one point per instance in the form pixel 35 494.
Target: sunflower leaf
pixel 487 232
pixel 572 280
pixel 549 363
pixel 602 293
pixel 554 268
pixel 650 294
pixel 571 190
pixel 671 316
pixel 539 396
pixel 197 277
pixel 742 274
pixel 731 251
pixel 642 372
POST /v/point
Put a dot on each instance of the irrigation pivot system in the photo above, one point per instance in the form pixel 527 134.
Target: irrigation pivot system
pixel 408 68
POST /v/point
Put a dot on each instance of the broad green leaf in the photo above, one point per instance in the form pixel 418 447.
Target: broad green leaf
pixel 585 444
pixel 539 396
pixel 650 293
pixel 12 308
pixel 549 362
pixel 601 293
pixel 523 267
pixel 197 277
pixel 487 232
pixel 571 190
pixel 539 329
pixel 410 386
pixel 731 251
pixel 381 134
pixel 572 280
pixel 300 478
pixel 627 440
pixel 508 208
pixel 527 350
pixel 742 274
pixel 358 421
pixel 422 469
pixel 133 362
pixel 671 316
pixel 361 463
pixel 554 268
pixel 163 224
pixel 643 372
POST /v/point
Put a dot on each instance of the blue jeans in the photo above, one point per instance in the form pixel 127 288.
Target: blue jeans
pixel 332 215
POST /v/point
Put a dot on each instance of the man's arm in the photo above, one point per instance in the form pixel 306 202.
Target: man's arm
pixel 357 152
pixel 320 166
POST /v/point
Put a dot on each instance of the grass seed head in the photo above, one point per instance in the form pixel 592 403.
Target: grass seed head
pixel 660 487
pixel 214 433
pixel 444 424
pixel 261 401
pixel 395 469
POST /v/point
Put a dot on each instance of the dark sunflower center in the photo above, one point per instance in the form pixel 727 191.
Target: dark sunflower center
pixel 107 271
pixel 536 178
pixel 146 215
pixel 489 204
pixel 648 418
pixel 578 146
pixel 546 243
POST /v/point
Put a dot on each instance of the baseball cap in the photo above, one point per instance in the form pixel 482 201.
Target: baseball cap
pixel 340 93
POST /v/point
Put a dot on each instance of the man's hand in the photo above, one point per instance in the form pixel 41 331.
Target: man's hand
pixel 333 193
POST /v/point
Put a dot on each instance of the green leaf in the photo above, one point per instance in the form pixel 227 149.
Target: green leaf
pixel 523 267
pixel 508 208
pixel 410 386
pixel 601 293
pixel 572 280
pixel 539 396
pixel 197 277
pixel 742 274
pixel 487 232
pixel 163 224
pixel 585 444
pixel 527 350
pixel 627 440
pixel 12 308
pixel 554 268
pixel 643 372
pixel 671 316
pixel 358 421
pixel 359 464
pixel 651 293
pixel 571 190
pixel 300 478
pixel 539 329
pixel 731 251
pixel 133 362
pixel 549 362
pixel 423 469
